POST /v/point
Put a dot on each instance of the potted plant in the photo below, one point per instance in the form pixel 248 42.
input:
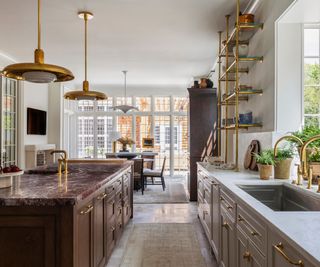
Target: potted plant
pixel 265 161
pixel 125 141
pixel 283 162
pixel 314 163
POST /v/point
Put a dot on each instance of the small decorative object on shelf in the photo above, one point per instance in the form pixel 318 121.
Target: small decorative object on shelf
pixel 203 83
pixel 246 18
pixel 265 162
pixel 196 84
pixel 243 50
pixel 125 141
pixel 209 83
pixel 246 118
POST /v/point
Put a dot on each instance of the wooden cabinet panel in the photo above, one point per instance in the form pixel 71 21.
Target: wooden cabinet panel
pixel 27 240
pixel 241 250
pixel 99 227
pixel 215 219
pixel 111 236
pixel 85 236
pixel 227 240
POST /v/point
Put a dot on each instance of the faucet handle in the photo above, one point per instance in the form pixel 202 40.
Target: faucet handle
pixel 299 175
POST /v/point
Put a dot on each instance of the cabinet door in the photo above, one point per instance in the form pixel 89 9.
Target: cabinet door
pixel 215 219
pixel 283 254
pixel 99 226
pixel 227 241
pixel 256 259
pixel 242 250
pixel 85 236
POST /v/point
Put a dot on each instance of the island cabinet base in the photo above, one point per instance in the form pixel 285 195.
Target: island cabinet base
pixel 82 235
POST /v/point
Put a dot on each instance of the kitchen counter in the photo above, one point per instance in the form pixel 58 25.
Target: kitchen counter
pixel 43 187
pixel 301 228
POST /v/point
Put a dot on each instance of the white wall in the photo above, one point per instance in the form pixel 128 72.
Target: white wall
pixel 289 110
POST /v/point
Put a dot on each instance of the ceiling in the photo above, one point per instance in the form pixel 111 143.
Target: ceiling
pixel 158 41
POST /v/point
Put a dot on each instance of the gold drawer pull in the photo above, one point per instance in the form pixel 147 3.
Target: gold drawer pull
pixel 113 228
pixel 222 199
pixel 240 219
pixel 247 255
pixel 87 210
pixel 254 233
pixel 225 224
pixel 214 183
pixel 280 249
pixel 102 196
pixel 230 208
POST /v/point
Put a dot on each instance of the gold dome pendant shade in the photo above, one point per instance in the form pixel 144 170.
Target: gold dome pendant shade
pixel 38 72
pixel 85 93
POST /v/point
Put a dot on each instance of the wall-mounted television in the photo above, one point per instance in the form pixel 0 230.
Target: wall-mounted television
pixel 36 121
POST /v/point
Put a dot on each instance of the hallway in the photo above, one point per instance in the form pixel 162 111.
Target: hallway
pixel 164 213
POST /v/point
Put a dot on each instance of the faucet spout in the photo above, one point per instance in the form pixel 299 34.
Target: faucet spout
pixel 63 160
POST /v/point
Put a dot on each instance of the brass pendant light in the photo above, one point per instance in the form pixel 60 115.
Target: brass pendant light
pixel 38 72
pixel 85 93
pixel 125 108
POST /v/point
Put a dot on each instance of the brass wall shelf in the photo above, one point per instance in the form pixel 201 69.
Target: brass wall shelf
pixel 228 98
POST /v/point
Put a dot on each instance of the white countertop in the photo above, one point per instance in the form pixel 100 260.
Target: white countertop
pixel 303 228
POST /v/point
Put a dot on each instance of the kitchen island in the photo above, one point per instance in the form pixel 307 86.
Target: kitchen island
pixel 73 219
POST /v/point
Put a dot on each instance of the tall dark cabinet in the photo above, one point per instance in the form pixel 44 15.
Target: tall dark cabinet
pixel 203 131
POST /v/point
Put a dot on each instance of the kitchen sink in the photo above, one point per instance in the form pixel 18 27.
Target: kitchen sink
pixel 283 197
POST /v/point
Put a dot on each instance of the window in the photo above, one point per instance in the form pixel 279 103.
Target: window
pixel 162 104
pixel 143 103
pixel 94 121
pixel 312 75
pixel 143 129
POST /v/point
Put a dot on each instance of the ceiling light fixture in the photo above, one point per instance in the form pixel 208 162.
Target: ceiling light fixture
pixel 125 108
pixel 38 72
pixel 85 93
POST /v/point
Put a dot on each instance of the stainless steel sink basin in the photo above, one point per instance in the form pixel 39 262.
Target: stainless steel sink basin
pixel 282 197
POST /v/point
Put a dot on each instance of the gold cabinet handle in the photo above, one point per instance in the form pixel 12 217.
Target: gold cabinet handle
pixel 102 196
pixel 230 208
pixel 87 210
pixel 225 224
pixel 240 219
pixel 280 249
pixel 247 256
pixel 254 233
pixel 214 184
pixel 222 199
pixel 113 228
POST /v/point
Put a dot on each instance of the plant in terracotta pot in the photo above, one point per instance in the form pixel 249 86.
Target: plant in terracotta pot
pixel 283 162
pixel 314 163
pixel 265 161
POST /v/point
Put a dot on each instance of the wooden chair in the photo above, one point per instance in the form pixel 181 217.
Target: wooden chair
pixel 138 173
pixel 154 174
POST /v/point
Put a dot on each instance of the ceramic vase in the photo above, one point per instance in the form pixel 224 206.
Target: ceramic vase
pixel 282 169
pixel 265 171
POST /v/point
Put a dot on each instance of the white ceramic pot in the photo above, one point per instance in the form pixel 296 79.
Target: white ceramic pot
pixel 243 50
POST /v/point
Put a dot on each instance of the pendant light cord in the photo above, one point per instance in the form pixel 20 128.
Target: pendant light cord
pixel 85 45
pixel 125 86
pixel 39 24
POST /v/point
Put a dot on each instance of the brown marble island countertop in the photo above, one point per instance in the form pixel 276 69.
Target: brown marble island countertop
pixel 47 189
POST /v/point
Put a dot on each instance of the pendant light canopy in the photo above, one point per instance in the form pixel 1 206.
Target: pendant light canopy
pixel 85 93
pixel 125 108
pixel 38 72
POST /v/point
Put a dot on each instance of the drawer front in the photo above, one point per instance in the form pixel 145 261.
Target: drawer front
pixel 111 190
pixel 126 213
pixel 111 208
pixel 254 228
pixel 200 186
pixel 119 227
pixel 205 218
pixel 228 204
pixel 126 190
pixel 207 195
pixel 118 185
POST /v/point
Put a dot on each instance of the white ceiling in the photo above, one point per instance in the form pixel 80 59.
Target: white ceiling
pixel 158 41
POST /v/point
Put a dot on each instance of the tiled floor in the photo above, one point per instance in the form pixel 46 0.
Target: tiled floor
pixel 164 213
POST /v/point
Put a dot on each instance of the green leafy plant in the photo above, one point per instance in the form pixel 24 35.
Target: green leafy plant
pixel 306 133
pixel 314 156
pixel 284 153
pixel 266 157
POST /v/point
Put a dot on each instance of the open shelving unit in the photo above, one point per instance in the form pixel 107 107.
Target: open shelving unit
pixel 229 77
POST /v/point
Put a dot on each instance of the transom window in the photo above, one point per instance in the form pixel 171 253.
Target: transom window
pixel 312 75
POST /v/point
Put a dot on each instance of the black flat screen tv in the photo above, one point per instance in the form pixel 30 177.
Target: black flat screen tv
pixel 36 121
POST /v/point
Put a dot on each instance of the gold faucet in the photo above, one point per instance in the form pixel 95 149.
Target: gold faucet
pixel 306 170
pixel 275 152
pixel 63 160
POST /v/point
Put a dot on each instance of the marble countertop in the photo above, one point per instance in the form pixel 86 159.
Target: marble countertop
pixel 301 227
pixel 43 187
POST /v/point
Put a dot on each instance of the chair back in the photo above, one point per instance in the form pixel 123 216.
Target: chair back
pixel 163 165
pixel 138 167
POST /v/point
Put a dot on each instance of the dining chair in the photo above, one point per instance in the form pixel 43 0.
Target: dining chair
pixel 154 174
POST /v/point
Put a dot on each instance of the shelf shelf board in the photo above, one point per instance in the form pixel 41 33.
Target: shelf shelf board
pixel 243 95
pixel 250 59
pixel 241 126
